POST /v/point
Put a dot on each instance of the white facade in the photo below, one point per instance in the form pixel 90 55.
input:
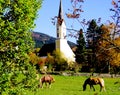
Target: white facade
pixel 61 30
pixel 61 42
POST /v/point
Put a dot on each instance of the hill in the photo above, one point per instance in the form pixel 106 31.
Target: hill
pixel 41 39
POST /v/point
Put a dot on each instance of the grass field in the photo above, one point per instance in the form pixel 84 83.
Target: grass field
pixel 72 85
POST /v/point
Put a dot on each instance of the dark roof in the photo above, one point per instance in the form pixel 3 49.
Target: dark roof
pixel 50 47
pixel 47 48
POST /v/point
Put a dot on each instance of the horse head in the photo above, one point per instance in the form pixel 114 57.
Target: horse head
pixel 84 87
pixel 85 84
pixel 51 78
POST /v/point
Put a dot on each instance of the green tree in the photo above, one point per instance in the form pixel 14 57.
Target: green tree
pixel 16 20
pixel 92 36
pixel 91 33
pixel 81 48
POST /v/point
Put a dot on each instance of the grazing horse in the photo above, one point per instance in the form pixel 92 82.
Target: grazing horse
pixel 94 81
pixel 47 79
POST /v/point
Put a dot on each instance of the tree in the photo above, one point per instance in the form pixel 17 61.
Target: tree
pixel 34 59
pixel 60 62
pixel 108 55
pixel 76 9
pixel 92 36
pixel 17 19
pixel 81 46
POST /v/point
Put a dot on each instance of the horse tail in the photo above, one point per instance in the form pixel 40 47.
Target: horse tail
pixel 40 80
pixel 102 83
pixel 40 83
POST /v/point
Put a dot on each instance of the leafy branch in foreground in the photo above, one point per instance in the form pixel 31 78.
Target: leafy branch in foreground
pixel 17 17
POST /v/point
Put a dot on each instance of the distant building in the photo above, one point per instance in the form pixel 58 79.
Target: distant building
pixel 61 42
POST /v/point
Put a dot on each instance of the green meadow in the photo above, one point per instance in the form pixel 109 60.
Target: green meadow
pixel 72 85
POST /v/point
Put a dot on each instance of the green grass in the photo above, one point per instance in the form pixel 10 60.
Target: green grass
pixel 72 85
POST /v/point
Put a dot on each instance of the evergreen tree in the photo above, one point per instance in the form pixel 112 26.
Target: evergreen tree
pixel 81 46
pixel 17 17
pixel 92 36
pixel 91 33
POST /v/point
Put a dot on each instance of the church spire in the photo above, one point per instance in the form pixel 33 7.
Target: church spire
pixel 60 14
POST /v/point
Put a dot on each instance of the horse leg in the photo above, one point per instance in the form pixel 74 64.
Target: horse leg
pixel 102 88
pixel 41 85
pixel 49 84
pixel 91 86
pixel 45 84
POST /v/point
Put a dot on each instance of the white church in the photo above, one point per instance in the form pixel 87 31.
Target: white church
pixel 61 41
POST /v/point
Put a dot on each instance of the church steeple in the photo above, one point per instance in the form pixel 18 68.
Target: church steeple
pixel 61 27
pixel 60 14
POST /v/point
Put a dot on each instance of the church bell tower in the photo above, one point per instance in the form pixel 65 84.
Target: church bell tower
pixel 61 27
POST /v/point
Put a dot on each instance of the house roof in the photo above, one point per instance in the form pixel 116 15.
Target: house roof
pixel 47 48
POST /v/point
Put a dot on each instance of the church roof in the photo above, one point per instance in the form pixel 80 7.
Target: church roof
pixel 50 47
pixel 47 48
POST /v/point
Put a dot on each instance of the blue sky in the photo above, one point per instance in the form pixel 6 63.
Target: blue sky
pixel 93 9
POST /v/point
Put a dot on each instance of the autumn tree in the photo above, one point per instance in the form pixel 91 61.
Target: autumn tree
pixel 16 20
pixel 115 59
pixel 34 59
pixel 102 50
pixel 76 9
pixel 60 62
pixel 50 62
pixel 110 41
pixel 107 54
pixel 116 54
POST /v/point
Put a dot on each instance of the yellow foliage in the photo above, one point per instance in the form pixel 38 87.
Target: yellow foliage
pixel 116 59
pixel 116 53
pixel 50 59
pixel 117 41
pixel 34 59
pixel 107 47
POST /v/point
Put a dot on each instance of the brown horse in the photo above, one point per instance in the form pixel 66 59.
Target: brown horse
pixel 94 81
pixel 47 79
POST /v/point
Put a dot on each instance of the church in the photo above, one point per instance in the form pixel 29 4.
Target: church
pixel 61 42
